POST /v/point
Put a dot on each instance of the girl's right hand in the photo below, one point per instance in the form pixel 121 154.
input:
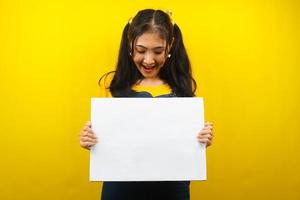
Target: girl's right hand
pixel 87 136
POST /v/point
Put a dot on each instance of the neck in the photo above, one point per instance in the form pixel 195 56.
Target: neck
pixel 150 82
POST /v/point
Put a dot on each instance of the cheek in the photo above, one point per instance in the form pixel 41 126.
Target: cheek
pixel 161 60
pixel 137 59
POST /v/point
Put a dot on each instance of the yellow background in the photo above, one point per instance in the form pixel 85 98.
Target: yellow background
pixel 245 57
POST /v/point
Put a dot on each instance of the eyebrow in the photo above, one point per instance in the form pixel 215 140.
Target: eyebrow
pixel 158 47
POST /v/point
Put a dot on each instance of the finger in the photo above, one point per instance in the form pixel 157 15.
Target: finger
pixel 84 134
pixel 89 130
pixel 208 134
pixel 205 141
pixel 88 140
pixel 204 132
pixel 208 137
pixel 205 136
pixel 91 135
pixel 207 130
pixel 86 145
pixel 88 135
pixel 90 144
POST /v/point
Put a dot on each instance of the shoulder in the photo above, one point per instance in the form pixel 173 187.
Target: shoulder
pixel 106 79
pixel 195 88
pixel 104 84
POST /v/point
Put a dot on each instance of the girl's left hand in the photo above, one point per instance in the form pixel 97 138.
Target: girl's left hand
pixel 206 134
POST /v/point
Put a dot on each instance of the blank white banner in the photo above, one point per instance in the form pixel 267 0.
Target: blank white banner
pixel 147 139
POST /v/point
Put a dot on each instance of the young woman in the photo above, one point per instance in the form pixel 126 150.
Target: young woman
pixel 152 63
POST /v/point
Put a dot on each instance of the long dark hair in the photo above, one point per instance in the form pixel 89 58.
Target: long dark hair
pixel 176 70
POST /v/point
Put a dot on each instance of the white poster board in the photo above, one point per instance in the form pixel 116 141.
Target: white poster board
pixel 147 139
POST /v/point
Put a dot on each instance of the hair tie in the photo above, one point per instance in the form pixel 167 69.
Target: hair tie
pixel 130 20
pixel 169 12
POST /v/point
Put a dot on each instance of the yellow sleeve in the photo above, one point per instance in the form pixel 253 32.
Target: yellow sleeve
pixel 104 86
pixel 197 93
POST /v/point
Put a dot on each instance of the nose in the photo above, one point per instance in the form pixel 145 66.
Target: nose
pixel 148 60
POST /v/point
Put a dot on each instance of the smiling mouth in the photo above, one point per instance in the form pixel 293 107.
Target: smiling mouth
pixel 148 69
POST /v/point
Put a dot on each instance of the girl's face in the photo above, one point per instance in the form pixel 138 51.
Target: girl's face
pixel 149 54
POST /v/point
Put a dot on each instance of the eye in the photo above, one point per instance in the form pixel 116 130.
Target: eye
pixel 158 52
pixel 141 52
